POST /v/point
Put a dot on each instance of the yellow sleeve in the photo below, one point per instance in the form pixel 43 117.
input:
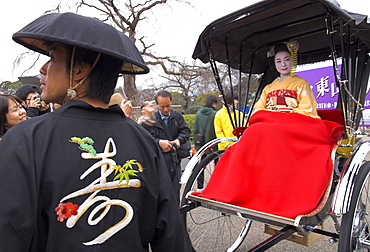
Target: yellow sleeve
pixel 219 131
pixel 261 103
pixel 218 126
pixel 306 101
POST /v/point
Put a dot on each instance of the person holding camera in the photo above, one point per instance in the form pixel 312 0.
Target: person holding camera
pixel 170 132
pixel 126 106
pixel 147 110
pixel 31 100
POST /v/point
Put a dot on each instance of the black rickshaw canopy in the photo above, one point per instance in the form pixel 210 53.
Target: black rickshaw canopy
pixel 241 41
pixel 251 32
pixel 324 31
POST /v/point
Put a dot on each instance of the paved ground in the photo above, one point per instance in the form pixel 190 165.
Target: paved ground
pixel 256 235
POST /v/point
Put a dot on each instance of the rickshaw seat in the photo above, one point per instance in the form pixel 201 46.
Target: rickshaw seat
pixel 334 115
pixel 313 218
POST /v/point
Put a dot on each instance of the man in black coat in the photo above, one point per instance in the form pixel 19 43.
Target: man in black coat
pixel 85 177
pixel 178 131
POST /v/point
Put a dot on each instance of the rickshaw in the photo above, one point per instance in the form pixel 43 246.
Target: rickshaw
pixel 239 43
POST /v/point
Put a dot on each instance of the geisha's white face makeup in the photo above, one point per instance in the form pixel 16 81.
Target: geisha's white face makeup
pixel 283 62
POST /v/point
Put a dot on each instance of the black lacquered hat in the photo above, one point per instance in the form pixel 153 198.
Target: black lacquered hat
pixel 85 32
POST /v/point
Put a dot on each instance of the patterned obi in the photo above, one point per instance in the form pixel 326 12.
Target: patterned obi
pixel 283 100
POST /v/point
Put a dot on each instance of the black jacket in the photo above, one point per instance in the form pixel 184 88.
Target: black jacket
pixel 177 127
pixel 33 111
pixel 74 154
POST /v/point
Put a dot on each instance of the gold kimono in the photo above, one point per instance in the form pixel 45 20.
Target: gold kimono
pixel 292 95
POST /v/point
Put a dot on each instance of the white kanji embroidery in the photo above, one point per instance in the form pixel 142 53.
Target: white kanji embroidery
pixel 100 184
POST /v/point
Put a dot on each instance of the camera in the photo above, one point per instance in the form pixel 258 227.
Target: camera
pixel 173 157
pixel 37 97
pixel 174 145
pixel 148 121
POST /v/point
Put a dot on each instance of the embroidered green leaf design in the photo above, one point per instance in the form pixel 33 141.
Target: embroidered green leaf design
pixel 87 140
pixel 129 163
pixel 85 144
pixel 123 173
pixel 76 140
pixel 126 170
pixel 117 168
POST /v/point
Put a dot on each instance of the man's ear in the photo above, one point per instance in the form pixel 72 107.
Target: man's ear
pixel 80 71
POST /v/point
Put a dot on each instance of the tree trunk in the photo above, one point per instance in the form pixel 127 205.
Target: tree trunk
pixel 129 85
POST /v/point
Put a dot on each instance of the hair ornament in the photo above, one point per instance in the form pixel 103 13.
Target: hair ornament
pixel 293 49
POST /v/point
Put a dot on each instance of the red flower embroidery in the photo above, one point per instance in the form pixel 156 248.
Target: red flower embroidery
pixel 65 210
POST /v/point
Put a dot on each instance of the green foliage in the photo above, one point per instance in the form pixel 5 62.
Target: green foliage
pixel 177 99
pixel 192 110
pixel 7 87
pixel 200 100
pixel 190 120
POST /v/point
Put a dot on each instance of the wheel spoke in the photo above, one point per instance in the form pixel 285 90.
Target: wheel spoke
pixel 364 243
pixel 355 229
pixel 208 226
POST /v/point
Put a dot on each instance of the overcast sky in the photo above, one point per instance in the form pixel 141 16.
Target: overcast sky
pixel 174 30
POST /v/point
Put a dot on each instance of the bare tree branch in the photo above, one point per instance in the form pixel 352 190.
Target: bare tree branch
pixel 22 56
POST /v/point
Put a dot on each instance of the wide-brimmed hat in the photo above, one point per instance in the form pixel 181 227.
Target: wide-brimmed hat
pixel 116 98
pixel 85 32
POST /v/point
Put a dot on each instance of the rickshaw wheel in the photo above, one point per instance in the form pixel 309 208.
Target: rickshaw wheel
pixel 355 227
pixel 223 231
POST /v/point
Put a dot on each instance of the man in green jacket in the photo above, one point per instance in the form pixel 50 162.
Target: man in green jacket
pixel 204 125
pixel 204 121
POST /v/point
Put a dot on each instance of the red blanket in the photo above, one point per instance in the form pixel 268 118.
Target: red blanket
pixel 281 165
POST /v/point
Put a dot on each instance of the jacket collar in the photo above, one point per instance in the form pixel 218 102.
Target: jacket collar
pixel 163 116
pixel 78 108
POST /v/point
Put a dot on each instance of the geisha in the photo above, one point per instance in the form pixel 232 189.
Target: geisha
pixel 270 169
pixel 288 92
